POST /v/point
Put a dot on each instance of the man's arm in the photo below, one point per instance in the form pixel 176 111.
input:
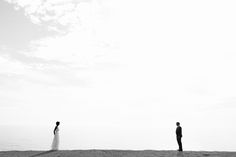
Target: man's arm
pixel 180 131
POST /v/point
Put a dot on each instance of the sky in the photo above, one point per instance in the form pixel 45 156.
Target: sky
pixel 119 74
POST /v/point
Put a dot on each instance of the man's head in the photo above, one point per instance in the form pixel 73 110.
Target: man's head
pixel 177 123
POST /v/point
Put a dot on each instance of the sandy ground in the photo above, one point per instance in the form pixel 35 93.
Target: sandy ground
pixel 114 153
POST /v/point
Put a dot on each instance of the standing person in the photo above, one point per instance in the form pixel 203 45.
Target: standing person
pixel 179 136
pixel 55 142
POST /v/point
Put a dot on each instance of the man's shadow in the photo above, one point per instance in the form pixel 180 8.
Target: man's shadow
pixel 43 153
pixel 180 154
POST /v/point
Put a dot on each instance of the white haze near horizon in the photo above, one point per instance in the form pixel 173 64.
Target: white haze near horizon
pixel 118 74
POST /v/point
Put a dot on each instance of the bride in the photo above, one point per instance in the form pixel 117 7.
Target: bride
pixel 55 142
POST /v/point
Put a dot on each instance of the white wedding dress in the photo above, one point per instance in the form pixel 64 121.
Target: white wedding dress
pixel 55 142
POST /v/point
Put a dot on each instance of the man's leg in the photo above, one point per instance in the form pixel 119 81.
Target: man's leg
pixel 179 143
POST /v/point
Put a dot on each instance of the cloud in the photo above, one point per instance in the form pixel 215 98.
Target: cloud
pixel 17 31
pixel 85 42
pixel 20 70
pixel 52 59
pixel 17 76
pixel 58 15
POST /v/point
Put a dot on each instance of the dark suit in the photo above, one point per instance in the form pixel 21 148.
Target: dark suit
pixel 179 136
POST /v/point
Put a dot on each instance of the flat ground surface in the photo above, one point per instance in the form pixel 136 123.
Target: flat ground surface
pixel 114 153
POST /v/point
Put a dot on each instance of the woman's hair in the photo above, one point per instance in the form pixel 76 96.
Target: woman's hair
pixel 57 123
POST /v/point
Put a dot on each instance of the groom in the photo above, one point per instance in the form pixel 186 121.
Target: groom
pixel 179 136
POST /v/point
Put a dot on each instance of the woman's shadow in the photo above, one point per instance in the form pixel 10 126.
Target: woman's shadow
pixel 43 153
